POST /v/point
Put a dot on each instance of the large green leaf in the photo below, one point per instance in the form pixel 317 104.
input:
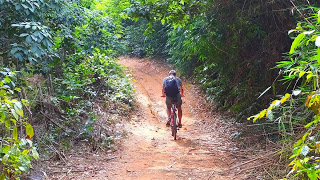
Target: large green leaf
pixel 3 117
pixel 18 108
pixel 296 42
pixel 15 133
pixel 5 158
pixel 7 79
pixel 35 153
pixel 29 130
pixel 312 174
pixel 7 123
pixel 15 115
pixel 3 93
pixel 318 55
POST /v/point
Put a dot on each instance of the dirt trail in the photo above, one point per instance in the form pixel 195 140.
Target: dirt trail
pixel 201 150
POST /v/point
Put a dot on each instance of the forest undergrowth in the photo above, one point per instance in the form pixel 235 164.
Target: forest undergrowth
pixel 58 77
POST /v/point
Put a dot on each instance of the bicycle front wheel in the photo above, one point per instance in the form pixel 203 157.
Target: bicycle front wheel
pixel 174 127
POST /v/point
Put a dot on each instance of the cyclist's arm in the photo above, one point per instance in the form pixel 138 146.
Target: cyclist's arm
pixel 181 91
pixel 163 94
pixel 181 88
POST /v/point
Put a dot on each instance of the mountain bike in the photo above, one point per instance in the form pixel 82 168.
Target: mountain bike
pixel 174 124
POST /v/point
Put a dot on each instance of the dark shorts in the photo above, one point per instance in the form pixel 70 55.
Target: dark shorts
pixel 178 100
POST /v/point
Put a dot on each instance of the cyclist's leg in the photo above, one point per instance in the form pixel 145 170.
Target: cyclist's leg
pixel 179 103
pixel 179 114
pixel 168 112
pixel 168 104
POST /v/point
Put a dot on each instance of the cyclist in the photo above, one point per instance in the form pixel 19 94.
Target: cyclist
pixel 172 89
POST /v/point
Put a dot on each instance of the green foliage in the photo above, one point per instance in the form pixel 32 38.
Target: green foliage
pixel 86 41
pixel 139 43
pixel 83 30
pixel 302 105
pixel 72 44
pixel 24 36
pixel 16 149
pixel 113 9
pixel 84 81
pixel 171 12
pixel 220 44
pixel 93 76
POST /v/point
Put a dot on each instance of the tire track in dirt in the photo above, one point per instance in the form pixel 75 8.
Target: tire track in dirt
pixel 149 152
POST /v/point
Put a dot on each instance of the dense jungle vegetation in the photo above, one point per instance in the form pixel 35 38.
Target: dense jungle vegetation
pixel 245 55
pixel 59 63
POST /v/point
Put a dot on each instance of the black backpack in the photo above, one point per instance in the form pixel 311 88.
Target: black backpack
pixel 171 88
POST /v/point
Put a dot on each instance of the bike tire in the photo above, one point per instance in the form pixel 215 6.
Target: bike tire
pixel 174 127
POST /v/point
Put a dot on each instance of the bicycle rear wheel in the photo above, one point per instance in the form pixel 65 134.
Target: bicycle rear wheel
pixel 174 127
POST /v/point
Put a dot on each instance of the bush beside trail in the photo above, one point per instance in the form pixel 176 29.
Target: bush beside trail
pixel 58 65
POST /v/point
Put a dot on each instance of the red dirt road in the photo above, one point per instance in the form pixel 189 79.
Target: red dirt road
pixel 201 150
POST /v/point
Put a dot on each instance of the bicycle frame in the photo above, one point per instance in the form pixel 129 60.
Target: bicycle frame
pixel 173 112
pixel 173 124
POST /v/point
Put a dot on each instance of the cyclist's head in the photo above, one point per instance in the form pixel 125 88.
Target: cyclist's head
pixel 173 73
